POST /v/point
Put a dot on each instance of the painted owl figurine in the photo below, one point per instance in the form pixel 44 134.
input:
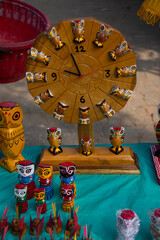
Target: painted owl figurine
pixel 157 153
pixel 55 38
pixel 86 146
pixel 78 30
pixel 116 139
pixel 11 135
pixel 54 138
pixel 20 191
pixel 127 224
pixel 155 224
pixel 102 35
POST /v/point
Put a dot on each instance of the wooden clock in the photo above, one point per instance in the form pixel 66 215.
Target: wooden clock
pixel 81 71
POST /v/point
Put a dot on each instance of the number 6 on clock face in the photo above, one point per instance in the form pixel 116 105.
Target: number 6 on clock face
pixel 80 58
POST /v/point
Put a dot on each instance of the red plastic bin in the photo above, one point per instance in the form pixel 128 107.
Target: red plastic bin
pixel 20 24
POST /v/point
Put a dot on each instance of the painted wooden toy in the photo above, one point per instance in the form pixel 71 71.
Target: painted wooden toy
pixel 36 77
pixel 11 135
pixel 67 175
pixel 86 146
pixel 55 38
pixel 126 71
pixel 4 225
pixel 36 225
pixel 78 30
pixel 102 35
pixel 54 222
pixel 120 51
pixel 127 224
pixel 39 194
pixel 121 92
pixel 43 97
pixel 84 115
pixel 20 191
pixel 18 226
pixel 87 233
pixel 68 196
pixel 155 224
pixel 72 223
pixel 80 76
pixel 26 176
pixel 117 138
pixel 45 173
pixel 55 140
pixel 39 56
pixel 105 108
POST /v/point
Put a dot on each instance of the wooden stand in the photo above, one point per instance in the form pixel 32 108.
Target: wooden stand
pixel 102 161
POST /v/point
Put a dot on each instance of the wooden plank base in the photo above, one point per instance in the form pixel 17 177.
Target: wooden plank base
pixel 102 161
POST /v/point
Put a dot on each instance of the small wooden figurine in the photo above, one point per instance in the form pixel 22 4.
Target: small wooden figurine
pixel 55 140
pixel 54 222
pixel 11 135
pixel 45 173
pixel 18 225
pixel 126 71
pixel 121 92
pixel 36 77
pixel 68 196
pixel 155 224
pixel 60 111
pixel 78 30
pixel 39 56
pixel 67 175
pixel 20 191
pixel 102 35
pixel 105 108
pixel 36 225
pixel 55 38
pixel 72 223
pixel 84 115
pixel 87 233
pixel 4 225
pixel 120 51
pixel 86 146
pixel 39 194
pixel 43 97
pixel 117 138
pixel 127 224
pixel 26 176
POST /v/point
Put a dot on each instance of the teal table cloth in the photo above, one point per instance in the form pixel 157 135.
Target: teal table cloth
pixel 98 197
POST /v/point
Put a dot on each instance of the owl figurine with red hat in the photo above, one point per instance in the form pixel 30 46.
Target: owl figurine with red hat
pixel 68 196
pixel 39 194
pixel 20 191
pixel 45 173
pixel 155 223
pixel 67 174
pixel 54 138
pixel 102 35
pixel 127 224
pixel 26 176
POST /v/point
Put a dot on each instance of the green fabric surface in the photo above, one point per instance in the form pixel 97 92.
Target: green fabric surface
pixel 98 197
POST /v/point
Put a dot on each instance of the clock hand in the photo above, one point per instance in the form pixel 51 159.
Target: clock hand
pixel 71 72
pixel 86 74
pixel 76 65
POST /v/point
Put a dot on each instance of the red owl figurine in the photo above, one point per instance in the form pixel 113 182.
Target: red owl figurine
pixel 86 146
pixel 68 196
pixel 102 35
pixel 78 31
pixel 54 138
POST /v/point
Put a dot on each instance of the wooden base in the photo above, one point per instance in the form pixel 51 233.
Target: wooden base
pixel 103 161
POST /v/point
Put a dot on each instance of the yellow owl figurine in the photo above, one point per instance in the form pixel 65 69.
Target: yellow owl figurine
pixel 11 135
pixel 54 138
pixel 117 138
pixel 78 30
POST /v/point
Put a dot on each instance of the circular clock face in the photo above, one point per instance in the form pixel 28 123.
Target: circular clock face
pixel 79 65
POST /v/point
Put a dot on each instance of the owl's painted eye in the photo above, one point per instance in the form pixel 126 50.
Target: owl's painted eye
pixel 46 173
pixel 111 132
pixel 28 170
pixel 102 27
pixel 21 170
pixel 16 116
pixel 121 132
pixel 153 219
pixel 70 172
pixel 69 193
pixel 120 220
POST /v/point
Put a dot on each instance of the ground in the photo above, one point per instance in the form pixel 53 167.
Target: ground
pixel 139 116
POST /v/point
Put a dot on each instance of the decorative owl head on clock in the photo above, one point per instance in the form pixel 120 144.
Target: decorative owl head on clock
pixel 127 224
